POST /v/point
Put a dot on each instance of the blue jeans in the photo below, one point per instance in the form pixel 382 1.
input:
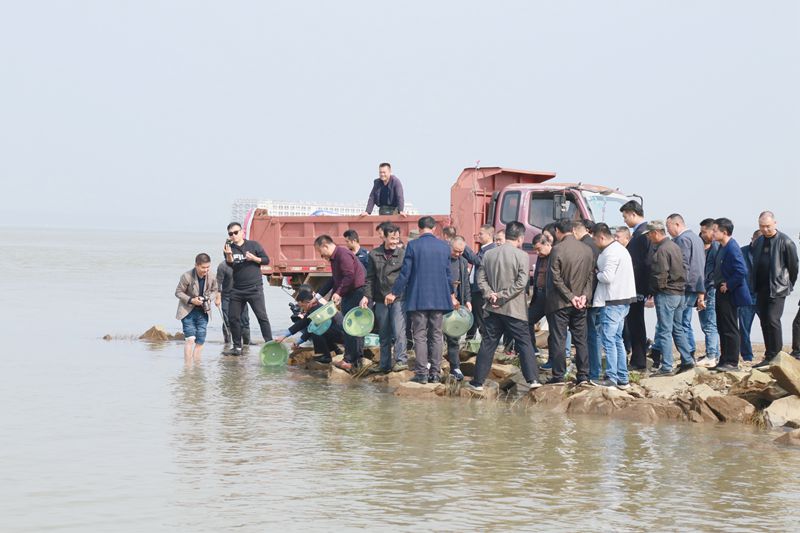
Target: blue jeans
pixel 593 340
pixel 195 324
pixel 669 327
pixel 746 315
pixel 392 330
pixel 689 302
pixel 611 322
pixel 708 322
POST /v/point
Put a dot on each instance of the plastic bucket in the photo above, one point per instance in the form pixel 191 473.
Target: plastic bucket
pixel 274 354
pixel 326 312
pixel 319 329
pixel 456 323
pixel 372 340
pixel 358 322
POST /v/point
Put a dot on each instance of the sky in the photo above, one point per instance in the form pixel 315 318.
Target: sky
pixel 145 115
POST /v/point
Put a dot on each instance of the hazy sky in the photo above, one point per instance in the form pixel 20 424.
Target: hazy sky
pixel 156 115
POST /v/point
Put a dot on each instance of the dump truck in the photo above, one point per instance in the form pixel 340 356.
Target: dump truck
pixel 488 195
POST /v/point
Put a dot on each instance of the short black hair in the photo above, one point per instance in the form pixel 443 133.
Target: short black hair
pixel 707 222
pixel 514 230
pixel 585 223
pixel 202 259
pixel 488 228
pixel 387 228
pixel 305 293
pixel 632 206
pixel 677 217
pixel 351 235
pixel 426 223
pixel 601 228
pixel 323 240
pixel 564 225
pixel 539 237
pixel 384 164
pixel 724 224
pixel 449 232
pixel 232 224
pixel 550 228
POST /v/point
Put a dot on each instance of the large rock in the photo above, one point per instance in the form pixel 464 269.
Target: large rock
pixel 504 375
pixel 548 395
pixel 791 438
pixel 490 392
pixel 786 371
pixel 468 366
pixel 731 408
pixel 411 389
pixel 649 410
pixel 757 388
pixel 155 334
pixel 783 412
pixel 598 401
pixel 393 379
pixel 668 386
pixel 301 356
pixel 703 392
pixel 337 375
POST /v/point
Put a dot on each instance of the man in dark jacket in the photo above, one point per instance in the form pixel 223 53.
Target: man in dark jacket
pixel 774 275
pixel 568 291
pixel 730 275
pixel 347 283
pixel 748 312
pixel 668 285
pixel 427 285
pixel 225 284
pixel 383 268
pixel 639 248
pixel 486 240
pixel 460 276
pixel 694 263
pixel 387 193
pixel 324 343
pixel 354 245
pixel 708 315
pixel 583 230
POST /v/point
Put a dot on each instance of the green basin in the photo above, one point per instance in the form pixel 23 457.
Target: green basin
pixel 326 312
pixel 358 322
pixel 372 340
pixel 319 329
pixel 456 323
pixel 274 354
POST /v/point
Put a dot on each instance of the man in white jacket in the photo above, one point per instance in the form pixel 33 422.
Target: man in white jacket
pixel 616 290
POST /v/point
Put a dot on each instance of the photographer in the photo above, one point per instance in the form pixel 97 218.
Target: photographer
pixel 246 258
pixel 195 292
pixel 323 344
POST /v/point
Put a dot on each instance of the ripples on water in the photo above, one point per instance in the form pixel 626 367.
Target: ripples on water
pixel 101 436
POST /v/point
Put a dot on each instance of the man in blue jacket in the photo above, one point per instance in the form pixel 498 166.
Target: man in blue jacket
pixel 730 276
pixel 427 283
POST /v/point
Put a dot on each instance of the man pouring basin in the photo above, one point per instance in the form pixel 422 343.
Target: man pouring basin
pixel 387 193
pixel 245 258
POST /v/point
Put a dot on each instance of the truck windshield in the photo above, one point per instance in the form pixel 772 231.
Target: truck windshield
pixel 605 208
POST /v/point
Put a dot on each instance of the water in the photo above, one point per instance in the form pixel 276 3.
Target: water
pixel 122 436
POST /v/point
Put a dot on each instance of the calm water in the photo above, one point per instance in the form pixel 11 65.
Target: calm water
pixel 101 436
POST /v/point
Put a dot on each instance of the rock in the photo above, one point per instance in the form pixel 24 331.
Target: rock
pixel 702 412
pixel 731 408
pixel 504 375
pixel 598 400
pixel 106 337
pixel 666 387
pixel 468 366
pixel 301 356
pixel 465 355
pixel 504 358
pixel 313 365
pixel 703 391
pixel 490 392
pixel 541 339
pixel 411 389
pixel 785 369
pixel 373 353
pixel 337 375
pixel 155 334
pixel 637 412
pixel 178 336
pixel 783 412
pixel 392 379
pixel 547 395
pixel 792 438
pixel 755 388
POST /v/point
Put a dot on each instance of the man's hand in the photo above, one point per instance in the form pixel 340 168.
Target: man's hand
pixel 251 257
pixel 454 300
pixel 364 214
pixel 336 299
pixel 723 288
pixel 701 302
pixel 196 301
pixel 279 338
pixel 227 249
pixel 364 303
pixel 576 302
pixel 650 302
pixel 403 214
pixel 469 306
pixel 390 298
pixel 218 301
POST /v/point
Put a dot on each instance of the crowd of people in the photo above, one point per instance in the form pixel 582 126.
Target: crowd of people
pixel 591 284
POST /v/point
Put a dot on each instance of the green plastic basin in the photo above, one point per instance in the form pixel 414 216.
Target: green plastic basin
pixel 326 312
pixel 457 322
pixel 274 354
pixel 358 322
pixel 319 329
pixel 372 340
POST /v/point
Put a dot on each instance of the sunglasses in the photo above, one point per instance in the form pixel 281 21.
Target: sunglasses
pixel 232 233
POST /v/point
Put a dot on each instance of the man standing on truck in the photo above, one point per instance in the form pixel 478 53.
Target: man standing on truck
pixel 347 281
pixel 639 247
pixel 245 258
pixel 387 193
pixel 427 284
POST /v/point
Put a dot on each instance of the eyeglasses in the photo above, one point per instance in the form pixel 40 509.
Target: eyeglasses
pixel 232 233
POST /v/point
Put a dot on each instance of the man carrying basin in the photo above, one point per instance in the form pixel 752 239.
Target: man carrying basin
pixel 347 283
pixel 502 278
pixel 459 271
pixel 383 267
pixel 326 336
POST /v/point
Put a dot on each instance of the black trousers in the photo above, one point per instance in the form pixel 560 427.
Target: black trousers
pixel 477 313
pixel 353 346
pixel 575 321
pixel 769 312
pixel 226 304
pixel 728 328
pixel 796 334
pixel 535 314
pixel 326 343
pixel 495 325
pixel 254 297
pixel 637 333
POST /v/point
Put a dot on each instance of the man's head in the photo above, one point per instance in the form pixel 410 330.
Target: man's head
pixel 486 234
pixel 581 228
pixel 707 230
pixel 632 213
pixel 515 233
pixel 622 235
pixel 390 235
pixel 426 225
pixel 325 246
pixel 602 236
pixel 500 237
pixel 767 224
pixel 235 232
pixel 756 234
pixel 351 240
pixel 202 264
pixel 563 228
pixel 723 229
pixel 384 172
pixel 305 297
pixel 542 245
pixel 457 245
pixel 675 225
pixel 449 233
pixel 550 231
pixel 656 231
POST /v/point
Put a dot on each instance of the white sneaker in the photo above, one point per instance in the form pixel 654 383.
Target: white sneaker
pixel 307 344
pixel 706 362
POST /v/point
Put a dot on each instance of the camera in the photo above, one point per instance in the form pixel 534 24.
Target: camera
pixel 296 310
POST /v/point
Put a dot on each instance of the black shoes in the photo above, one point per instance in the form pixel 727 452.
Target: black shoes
pixel 325 359
pixel 235 350
pixel 434 378
pixel 725 368
pixel 422 380
pixel 763 363
pixel 554 381
pixel 685 368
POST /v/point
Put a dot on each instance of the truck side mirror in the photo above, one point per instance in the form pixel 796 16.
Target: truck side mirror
pixel 559 206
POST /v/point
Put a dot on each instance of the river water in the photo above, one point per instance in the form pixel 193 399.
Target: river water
pixel 123 436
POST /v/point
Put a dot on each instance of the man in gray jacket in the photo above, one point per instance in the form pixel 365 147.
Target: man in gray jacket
pixel 502 277
pixel 196 293
pixel 568 292
pixel 694 263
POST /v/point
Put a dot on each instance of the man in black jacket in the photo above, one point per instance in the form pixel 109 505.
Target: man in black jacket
pixel 225 284
pixel 460 273
pixel 774 275
pixel 325 342
pixel 640 249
